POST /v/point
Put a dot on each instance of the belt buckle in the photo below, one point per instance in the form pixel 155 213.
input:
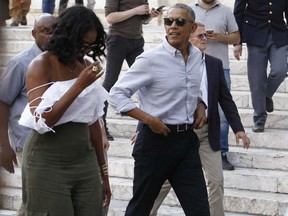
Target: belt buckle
pixel 180 129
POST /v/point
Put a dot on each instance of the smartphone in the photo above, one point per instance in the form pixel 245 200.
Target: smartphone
pixel 209 31
pixel 160 8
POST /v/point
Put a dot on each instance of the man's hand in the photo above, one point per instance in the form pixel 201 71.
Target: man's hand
pixel 200 116
pixel 8 159
pixel 242 135
pixel 157 126
pixel 237 51
pixel 142 9
pixel 134 138
pixel 154 13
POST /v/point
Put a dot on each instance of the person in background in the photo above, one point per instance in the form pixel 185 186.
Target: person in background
pixel 214 90
pixel 91 4
pixel 18 11
pixel 63 5
pixel 48 6
pixel 13 100
pixel 169 93
pixel 64 170
pixel 4 12
pixel 125 40
pixel 263 27
pixel 222 30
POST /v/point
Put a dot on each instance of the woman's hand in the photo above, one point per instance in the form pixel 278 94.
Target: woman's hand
pixel 89 75
pixel 106 191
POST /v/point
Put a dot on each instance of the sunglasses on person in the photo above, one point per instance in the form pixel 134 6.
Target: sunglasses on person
pixel 86 46
pixel 201 36
pixel 179 21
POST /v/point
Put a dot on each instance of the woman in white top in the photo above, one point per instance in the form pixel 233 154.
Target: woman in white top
pixel 63 157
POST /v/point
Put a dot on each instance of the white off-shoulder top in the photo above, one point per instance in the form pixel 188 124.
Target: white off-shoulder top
pixel 86 108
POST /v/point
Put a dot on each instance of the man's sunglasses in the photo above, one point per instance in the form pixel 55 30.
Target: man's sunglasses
pixel 201 36
pixel 179 21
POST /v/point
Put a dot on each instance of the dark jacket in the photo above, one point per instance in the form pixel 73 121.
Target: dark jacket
pixel 256 18
pixel 219 92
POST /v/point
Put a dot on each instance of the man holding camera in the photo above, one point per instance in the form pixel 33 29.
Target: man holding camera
pixel 125 40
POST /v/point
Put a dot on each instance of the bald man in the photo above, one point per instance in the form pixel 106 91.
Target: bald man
pixel 13 96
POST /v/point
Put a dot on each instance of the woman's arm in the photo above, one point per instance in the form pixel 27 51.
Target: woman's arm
pixel 39 73
pixel 97 142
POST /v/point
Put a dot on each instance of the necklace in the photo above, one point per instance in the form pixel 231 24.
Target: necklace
pixel 74 70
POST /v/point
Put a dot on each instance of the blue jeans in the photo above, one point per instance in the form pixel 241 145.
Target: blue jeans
pixel 223 122
pixel 48 6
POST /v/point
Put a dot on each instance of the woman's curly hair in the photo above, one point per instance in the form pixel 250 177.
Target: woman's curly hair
pixel 67 38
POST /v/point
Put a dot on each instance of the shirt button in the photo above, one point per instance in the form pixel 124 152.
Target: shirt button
pixel 270 12
pixel 269 21
pixel 270 3
pixel 246 21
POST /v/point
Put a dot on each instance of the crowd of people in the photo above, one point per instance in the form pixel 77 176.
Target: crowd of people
pixel 53 120
pixel 17 10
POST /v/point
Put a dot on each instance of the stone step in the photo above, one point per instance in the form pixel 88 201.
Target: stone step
pixel 243 99
pixel 242 201
pixel 11 198
pixel 118 207
pixel 241 178
pixel 4 212
pixel 270 139
pixel 125 126
pixel 259 158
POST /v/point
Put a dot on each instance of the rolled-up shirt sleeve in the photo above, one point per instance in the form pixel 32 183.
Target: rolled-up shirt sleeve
pixel 138 76
pixel 111 6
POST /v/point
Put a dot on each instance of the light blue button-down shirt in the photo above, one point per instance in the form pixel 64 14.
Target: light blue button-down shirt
pixel 167 87
pixel 13 92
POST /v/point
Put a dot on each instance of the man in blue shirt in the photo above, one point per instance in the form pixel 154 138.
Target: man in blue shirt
pixel 13 95
pixel 167 79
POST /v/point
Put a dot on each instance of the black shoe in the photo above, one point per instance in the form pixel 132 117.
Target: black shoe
pixel 23 21
pixel 269 105
pixel 109 136
pixel 226 165
pixel 258 128
pixel 14 23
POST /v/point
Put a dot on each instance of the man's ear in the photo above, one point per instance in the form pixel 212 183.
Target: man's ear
pixel 33 33
pixel 193 28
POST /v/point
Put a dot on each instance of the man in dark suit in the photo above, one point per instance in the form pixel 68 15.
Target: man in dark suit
pixel 214 90
pixel 263 28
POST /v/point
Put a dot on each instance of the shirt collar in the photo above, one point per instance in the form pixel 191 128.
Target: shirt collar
pixel 216 4
pixel 173 50
pixel 36 49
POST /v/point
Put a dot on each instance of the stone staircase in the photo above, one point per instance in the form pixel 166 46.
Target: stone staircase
pixel 258 185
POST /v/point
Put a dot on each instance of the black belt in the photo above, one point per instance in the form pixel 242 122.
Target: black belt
pixel 180 127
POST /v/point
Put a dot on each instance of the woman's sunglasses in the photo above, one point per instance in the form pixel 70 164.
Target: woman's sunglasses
pixel 85 46
pixel 179 21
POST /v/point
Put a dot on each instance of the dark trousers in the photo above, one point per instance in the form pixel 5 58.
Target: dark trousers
pixel 63 4
pixel 4 10
pixel 261 85
pixel 176 158
pixel 118 50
